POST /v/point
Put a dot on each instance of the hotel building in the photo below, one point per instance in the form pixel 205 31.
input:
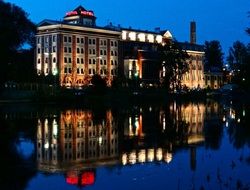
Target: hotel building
pixel 75 49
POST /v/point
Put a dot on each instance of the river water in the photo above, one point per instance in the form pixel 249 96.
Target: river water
pixel 173 145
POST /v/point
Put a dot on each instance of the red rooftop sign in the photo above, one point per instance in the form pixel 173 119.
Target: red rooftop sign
pixel 85 13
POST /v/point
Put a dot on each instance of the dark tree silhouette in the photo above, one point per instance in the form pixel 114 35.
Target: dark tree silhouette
pixel 98 81
pixel 237 55
pixel 173 58
pixel 239 61
pixel 213 54
pixel 16 30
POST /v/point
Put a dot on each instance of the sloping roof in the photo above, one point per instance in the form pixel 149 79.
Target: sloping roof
pixel 47 22
pixel 80 8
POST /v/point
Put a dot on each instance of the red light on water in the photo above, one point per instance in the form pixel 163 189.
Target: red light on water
pixel 72 180
pixel 88 178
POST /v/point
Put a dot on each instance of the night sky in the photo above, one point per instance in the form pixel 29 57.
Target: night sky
pixel 223 20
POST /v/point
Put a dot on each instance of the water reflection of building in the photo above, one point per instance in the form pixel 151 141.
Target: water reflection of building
pixel 75 138
pixel 177 125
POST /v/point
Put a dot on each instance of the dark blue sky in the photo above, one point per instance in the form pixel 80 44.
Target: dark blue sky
pixel 223 20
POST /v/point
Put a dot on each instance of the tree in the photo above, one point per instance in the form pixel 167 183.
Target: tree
pixel 98 81
pixel 213 54
pixel 16 30
pixel 237 55
pixel 239 61
pixel 173 60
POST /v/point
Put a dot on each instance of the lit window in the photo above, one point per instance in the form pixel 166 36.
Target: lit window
pixel 142 37
pixel 150 38
pixel 159 39
pixel 124 35
pixel 132 36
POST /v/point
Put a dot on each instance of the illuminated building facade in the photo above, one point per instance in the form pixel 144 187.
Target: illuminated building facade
pixel 75 49
pixel 214 78
pixel 194 77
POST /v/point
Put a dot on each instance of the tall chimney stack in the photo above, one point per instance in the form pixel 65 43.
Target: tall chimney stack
pixel 193 32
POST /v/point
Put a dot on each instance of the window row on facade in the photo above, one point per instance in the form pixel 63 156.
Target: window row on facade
pixel 91 71
pixel 79 40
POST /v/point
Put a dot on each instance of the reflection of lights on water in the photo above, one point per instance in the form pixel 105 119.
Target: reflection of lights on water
pixel 224 118
pixel 151 155
pixel 150 108
pixel 55 128
pixel 132 157
pixel 137 123
pixel 142 156
pixel 159 154
pixel 244 113
pixel 46 145
pixel 168 157
pixel 238 120
pixel 164 123
pixel 232 113
pixel 124 159
pixel 227 124
pixel 100 140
